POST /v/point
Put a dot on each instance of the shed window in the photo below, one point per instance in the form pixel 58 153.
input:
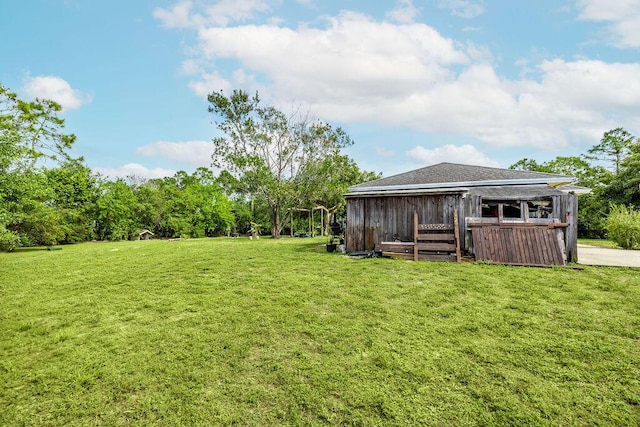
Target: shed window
pixel 490 210
pixel 512 210
pixel 540 208
pixel 502 209
pixel 524 210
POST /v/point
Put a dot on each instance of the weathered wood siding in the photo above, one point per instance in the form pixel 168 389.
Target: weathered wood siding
pixel 371 220
pixel 565 209
pixel 571 235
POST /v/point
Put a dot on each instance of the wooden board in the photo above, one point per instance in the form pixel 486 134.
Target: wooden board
pixel 397 247
pixel 519 245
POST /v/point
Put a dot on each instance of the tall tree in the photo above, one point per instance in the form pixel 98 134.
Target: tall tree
pixel 268 149
pixel 31 132
pixel 614 147
pixel 624 187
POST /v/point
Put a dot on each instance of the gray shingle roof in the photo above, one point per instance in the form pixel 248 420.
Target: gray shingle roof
pixel 449 173
pixel 526 192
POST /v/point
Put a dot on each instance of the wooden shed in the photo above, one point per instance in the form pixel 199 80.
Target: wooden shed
pixel 500 215
pixel 145 235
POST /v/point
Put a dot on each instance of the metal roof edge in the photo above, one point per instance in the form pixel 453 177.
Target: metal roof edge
pixel 446 185
pixel 411 192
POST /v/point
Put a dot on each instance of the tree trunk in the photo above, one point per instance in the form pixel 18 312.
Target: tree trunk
pixel 275 222
pixel 327 216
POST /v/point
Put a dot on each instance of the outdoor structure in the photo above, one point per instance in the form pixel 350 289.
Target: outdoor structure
pixel 449 210
pixel 145 235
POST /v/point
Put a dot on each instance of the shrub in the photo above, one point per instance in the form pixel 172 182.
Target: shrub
pixel 623 226
pixel 8 240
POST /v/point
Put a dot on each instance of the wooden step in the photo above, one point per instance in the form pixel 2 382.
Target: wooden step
pixel 437 247
pixel 436 237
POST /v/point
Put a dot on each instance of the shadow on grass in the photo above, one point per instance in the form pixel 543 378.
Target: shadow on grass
pixel 37 249
pixel 314 244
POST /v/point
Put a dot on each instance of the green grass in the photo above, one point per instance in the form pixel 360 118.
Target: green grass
pixel 603 243
pixel 224 331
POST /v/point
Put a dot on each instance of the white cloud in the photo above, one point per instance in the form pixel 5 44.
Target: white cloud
pixel 226 11
pixel 208 83
pixel 196 153
pixel 385 152
pixel 465 154
pixel 223 12
pixel 353 60
pixel 191 67
pixel 133 169
pixel 56 89
pixel 405 13
pixel 177 16
pixel 356 69
pixel 463 8
pixel 623 16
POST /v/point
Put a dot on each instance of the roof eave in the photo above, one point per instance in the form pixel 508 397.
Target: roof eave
pixel 553 182
pixel 409 192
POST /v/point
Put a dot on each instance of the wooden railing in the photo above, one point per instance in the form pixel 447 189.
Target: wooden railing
pixel 432 242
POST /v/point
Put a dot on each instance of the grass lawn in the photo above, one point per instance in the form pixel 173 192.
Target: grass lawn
pixel 232 331
pixel 603 243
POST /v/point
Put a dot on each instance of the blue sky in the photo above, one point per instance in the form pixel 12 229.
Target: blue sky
pixel 413 82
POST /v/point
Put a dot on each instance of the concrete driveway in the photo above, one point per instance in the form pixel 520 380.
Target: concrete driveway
pixel 593 255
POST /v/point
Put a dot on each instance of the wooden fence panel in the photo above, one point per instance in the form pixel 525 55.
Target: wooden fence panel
pixel 510 244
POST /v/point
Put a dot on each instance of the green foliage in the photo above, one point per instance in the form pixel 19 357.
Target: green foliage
pixel 180 206
pixel 31 131
pixel 592 214
pixel 587 175
pixel 116 215
pixel 9 240
pixel 614 147
pixel 269 151
pixel 279 332
pixel 620 186
pixel 623 226
pixel 28 208
pixel 322 184
pixel 624 188
pixel 75 194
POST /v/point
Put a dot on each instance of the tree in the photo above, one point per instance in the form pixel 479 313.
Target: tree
pixel 624 187
pixel 31 133
pixel 614 147
pixel 116 218
pixel 617 147
pixel 267 149
pixel 527 164
pixel 75 191
pixel 323 184
pixel 578 167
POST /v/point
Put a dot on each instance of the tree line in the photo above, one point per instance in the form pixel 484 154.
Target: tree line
pixel 270 165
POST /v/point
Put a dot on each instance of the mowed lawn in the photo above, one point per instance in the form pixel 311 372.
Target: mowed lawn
pixel 232 331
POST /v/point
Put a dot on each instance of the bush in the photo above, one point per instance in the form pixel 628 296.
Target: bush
pixel 623 226
pixel 8 240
